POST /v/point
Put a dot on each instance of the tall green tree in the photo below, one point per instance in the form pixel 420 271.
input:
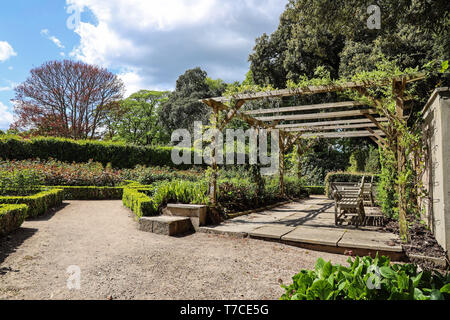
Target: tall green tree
pixel 136 119
pixel 183 107
pixel 334 34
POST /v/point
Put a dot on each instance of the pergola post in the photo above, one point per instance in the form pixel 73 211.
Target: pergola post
pixel 299 160
pixel 213 178
pixel 401 158
pixel 281 164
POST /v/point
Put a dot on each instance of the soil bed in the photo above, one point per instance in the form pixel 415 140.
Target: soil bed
pixel 423 242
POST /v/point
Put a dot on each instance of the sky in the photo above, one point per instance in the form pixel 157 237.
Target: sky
pixel 147 43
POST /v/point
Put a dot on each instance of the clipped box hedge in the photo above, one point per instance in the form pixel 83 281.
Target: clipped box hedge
pixel 90 192
pixel 120 155
pixel 347 177
pixel 138 202
pixel 39 203
pixel 11 217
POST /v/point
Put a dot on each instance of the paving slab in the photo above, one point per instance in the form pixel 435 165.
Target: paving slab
pixel 271 232
pixel 322 236
pixel 372 240
pixel 237 229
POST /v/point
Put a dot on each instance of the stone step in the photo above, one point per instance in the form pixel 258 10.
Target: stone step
pixel 166 225
pixel 196 213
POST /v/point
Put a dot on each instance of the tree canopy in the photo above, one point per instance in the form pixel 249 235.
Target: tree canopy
pixel 66 98
pixel 334 34
pixel 135 119
pixel 183 106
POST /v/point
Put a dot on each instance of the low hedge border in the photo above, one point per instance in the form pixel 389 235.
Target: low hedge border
pixel 90 192
pixel 137 201
pixel 347 177
pixel 11 217
pixel 39 203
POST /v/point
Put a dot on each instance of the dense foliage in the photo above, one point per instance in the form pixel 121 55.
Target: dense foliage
pixel 367 279
pixel 183 106
pixel 37 203
pixel 66 99
pixel 57 173
pixel 11 217
pixel 19 182
pixel 119 155
pixel 134 120
pixel 149 200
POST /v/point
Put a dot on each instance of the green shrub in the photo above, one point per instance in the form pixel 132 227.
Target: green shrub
pixel 120 155
pixel 90 192
pixel 318 190
pixel 179 191
pixel 11 217
pixel 39 203
pixel 57 173
pixel 148 175
pixel 138 202
pixel 19 182
pixel 237 195
pixel 347 177
pixel 367 279
pixel 149 200
pixel 293 187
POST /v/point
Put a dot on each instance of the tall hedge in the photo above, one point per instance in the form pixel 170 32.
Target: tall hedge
pixel 120 155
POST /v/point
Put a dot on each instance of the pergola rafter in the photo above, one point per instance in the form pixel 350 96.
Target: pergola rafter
pixel 353 120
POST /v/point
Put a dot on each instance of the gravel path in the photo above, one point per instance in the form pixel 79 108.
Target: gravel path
pixel 120 262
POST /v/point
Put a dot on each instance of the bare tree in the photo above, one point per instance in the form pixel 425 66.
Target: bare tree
pixel 66 98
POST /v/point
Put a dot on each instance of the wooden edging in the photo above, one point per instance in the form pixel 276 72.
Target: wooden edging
pixel 244 213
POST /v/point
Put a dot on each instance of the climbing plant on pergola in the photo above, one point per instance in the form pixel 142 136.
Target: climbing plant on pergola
pixel 365 117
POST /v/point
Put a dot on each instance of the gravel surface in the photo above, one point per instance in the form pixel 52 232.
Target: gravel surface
pixel 117 261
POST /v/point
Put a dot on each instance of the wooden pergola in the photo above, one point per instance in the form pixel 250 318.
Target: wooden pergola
pixel 352 119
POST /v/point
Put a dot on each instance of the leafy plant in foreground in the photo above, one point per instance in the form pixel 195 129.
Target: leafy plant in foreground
pixel 367 279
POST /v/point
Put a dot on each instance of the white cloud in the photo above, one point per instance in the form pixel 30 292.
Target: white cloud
pixel 6 117
pixel 56 41
pixel 11 85
pixel 151 43
pixel 6 51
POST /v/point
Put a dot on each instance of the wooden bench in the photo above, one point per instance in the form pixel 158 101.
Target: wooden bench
pixel 349 202
pixel 351 189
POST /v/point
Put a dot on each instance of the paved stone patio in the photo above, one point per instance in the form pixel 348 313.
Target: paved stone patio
pixel 309 222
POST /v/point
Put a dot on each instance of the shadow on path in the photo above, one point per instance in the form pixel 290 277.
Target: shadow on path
pixel 10 243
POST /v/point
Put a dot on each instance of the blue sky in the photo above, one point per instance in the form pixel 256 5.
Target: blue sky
pixel 147 43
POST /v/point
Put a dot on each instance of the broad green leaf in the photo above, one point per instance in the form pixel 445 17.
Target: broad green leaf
pixel 418 295
pixel 445 289
pixel 321 289
pixel 387 272
pixel 416 280
pixel 436 295
pixel 327 270
pixel 319 266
